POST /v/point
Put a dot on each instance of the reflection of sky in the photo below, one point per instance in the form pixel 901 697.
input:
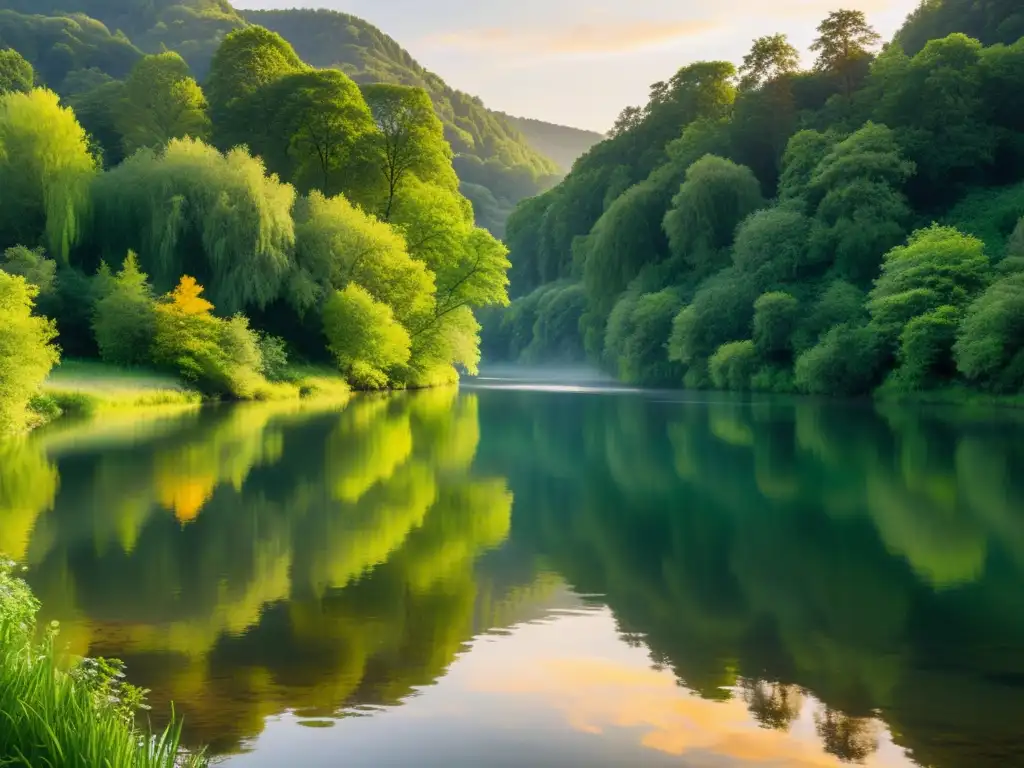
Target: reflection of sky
pixel 562 691
pixel 579 62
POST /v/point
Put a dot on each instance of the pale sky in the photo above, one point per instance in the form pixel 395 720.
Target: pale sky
pixel 579 62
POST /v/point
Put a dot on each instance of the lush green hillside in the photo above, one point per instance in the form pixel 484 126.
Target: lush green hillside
pixel 94 40
pixel 561 143
pixel 764 227
pixel 495 163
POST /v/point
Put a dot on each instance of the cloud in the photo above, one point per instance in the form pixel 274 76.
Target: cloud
pixel 594 38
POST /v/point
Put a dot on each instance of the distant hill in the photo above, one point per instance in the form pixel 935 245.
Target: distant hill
pixel 559 142
pixel 500 160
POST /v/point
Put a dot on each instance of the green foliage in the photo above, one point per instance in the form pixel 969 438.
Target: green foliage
pixel 776 316
pixel 939 266
pixel 26 352
pixel 82 716
pixel 995 21
pixel 124 320
pixel 841 303
pixel 364 337
pixel 161 102
pixel 772 245
pixel 733 365
pixel 926 347
pixel 722 310
pixel 189 208
pixel 247 60
pixel 716 196
pixel 273 356
pixel 337 244
pixel 844 362
pixel 991 214
pixel 635 339
pixel 844 41
pixel 16 74
pixel 32 265
pixel 990 345
pixel 861 212
pixel 45 172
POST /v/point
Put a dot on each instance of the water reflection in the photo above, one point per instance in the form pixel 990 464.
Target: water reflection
pixel 842 580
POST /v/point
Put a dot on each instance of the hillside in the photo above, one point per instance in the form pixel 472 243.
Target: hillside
pixel 495 162
pixel 499 160
pixel 764 227
pixel 559 142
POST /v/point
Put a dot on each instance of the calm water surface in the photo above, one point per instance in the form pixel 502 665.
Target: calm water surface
pixel 566 576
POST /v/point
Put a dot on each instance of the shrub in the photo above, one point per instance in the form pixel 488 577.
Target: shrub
pixel 31 264
pixel 124 319
pixel 926 346
pixel 273 357
pixel 26 351
pixel 775 320
pixel 990 345
pixel 364 337
pixel 844 362
pixel 733 365
pixel 635 343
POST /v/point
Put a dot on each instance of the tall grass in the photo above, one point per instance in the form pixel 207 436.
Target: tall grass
pixel 79 717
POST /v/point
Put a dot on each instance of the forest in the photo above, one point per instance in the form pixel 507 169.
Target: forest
pixel 276 212
pixel 78 47
pixel 852 228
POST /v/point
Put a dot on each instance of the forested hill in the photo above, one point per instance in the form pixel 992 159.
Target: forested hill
pixel 76 45
pixel 834 230
pixel 496 164
pixel 561 143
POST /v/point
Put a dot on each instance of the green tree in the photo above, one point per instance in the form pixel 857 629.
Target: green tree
pixel 364 337
pixel 772 245
pixel 31 264
pixel 638 329
pixel 990 346
pixel 124 320
pixel 45 173
pixel 336 244
pixel 733 365
pixel 188 209
pixel 861 210
pixel 843 45
pixel 248 59
pixel 320 125
pixel 16 74
pixel 844 362
pixel 938 266
pixel 770 58
pixel 926 347
pixel 26 351
pixel 161 102
pixel 701 222
pixel 409 140
pixel 776 316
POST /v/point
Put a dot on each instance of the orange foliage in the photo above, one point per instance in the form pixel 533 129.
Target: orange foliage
pixel 186 299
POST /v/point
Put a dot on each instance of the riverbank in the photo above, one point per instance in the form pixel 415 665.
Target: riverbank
pixel 81 714
pixel 80 388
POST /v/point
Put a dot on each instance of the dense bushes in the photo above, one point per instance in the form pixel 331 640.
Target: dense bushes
pixel 26 351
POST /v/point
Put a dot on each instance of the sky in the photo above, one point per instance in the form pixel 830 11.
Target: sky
pixel 579 62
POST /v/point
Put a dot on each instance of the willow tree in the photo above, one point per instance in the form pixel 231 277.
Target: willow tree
pixel 364 337
pixel 45 172
pixel 161 102
pixel 409 140
pixel 191 210
pixel 337 244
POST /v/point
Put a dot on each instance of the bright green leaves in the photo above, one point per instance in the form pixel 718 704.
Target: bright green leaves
pixel 990 346
pixel 192 210
pixel 364 337
pixel 45 172
pixel 124 319
pixel 337 244
pixel 161 102
pixel 16 74
pixel 26 351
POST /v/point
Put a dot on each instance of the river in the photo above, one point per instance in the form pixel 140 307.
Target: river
pixel 557 575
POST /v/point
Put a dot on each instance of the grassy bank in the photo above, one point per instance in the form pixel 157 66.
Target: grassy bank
pixel 78 715
pixel 89 388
